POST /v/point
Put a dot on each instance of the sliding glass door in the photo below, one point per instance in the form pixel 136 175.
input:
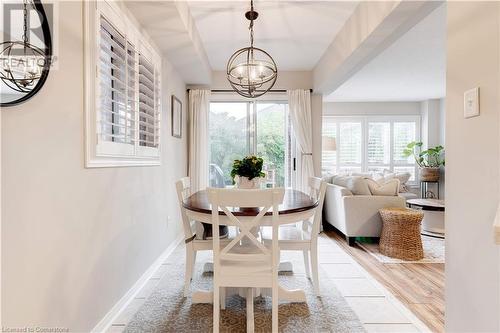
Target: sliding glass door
pixel 238 129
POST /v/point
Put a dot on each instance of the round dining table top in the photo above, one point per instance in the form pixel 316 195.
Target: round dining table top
pixel 294 202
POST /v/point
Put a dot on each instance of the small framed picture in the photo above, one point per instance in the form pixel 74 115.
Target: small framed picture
pixel 176 117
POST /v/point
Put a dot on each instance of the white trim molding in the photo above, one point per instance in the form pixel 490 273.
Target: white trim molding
pixel 122 304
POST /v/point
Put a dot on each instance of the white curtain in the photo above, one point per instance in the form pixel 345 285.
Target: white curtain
pixel 299 104
pixel 199 104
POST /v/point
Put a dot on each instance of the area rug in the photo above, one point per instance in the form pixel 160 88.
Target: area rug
pixel 433 252
pixel 166 310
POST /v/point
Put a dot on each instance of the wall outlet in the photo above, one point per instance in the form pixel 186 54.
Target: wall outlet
pixel 471 103
pixel 168 220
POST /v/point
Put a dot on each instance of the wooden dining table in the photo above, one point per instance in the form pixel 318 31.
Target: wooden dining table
pixel 297 206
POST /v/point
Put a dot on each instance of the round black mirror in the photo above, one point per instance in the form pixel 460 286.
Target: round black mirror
pixel 25 51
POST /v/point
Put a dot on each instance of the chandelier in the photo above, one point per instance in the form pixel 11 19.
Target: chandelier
pixel 22 63
pixel 251 71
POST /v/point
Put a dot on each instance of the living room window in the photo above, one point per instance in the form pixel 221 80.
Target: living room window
pixel 370 144
pixel 122 87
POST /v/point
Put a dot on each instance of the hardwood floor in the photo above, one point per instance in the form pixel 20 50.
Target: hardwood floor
pixel 420 287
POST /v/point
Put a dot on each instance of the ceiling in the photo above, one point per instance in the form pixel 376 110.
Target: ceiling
pixel 295 33
pixel 412 69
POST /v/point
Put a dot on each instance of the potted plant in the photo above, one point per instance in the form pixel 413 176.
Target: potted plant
pixel 429 160
pixel 247 173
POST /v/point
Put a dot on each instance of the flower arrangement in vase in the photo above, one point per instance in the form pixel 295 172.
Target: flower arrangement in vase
pixel 247 173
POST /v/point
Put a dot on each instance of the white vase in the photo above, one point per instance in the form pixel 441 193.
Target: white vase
pixel 245 183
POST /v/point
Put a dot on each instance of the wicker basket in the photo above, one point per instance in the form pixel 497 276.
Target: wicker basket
pixel 401 233
pixel 429 174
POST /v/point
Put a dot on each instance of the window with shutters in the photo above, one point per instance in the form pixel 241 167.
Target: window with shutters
pixel 123 77
pixel 148 106
pixel 366 144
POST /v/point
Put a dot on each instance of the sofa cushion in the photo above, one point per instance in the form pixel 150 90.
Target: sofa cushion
pixel 408 195
pixel 356 184
pixel 389 188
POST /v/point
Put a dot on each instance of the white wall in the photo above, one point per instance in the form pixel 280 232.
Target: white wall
pixel 472 170
pixel 371 108
pixel 286 80
pixel 74 240
pixel 431 126
pixel 442 122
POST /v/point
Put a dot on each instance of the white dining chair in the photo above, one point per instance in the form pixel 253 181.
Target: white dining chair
pixel 193 244
pixel 246 262
pixel 305 239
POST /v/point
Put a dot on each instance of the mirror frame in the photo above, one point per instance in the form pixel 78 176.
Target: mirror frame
pixel 48 55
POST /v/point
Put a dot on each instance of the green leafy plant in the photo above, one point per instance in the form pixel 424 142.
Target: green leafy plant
pixel 430 158
pixel 250 167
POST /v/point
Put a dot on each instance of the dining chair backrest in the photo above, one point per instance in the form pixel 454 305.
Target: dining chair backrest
pixel 183 187
pixel 314 186
pixel 225 200
pixel 317 191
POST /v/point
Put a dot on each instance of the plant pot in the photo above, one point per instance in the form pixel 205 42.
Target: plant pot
pixel 245 183
pixel 429 174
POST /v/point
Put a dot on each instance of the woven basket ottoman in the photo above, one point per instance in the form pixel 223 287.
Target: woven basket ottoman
pixel 401 233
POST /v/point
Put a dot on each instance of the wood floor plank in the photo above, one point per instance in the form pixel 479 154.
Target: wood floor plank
pixel 420 287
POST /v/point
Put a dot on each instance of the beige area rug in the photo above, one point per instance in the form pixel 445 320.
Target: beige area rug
pixel 166 310
pixel 433 252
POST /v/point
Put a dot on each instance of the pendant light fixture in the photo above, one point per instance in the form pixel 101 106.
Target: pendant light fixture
pixel 23 64
pixel 251 71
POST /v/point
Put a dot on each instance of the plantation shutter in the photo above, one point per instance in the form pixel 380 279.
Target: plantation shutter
pixel 149 115
pixel 350 143
pixel 132 105
pixel 379 143
pixel 329 158
pixel 404 133
pixel 113 118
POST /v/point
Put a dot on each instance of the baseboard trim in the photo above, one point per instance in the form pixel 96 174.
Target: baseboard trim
pixel 115 311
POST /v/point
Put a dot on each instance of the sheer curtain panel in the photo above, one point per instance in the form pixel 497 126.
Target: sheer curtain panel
pixel 199 104
pixel 299 104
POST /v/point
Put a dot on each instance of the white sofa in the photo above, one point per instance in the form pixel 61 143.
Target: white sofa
pixel 356 215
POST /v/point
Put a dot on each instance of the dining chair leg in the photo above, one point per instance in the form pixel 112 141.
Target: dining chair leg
pixel 274 312
pixel 250 315
pixel 223 298
pixel 216 310
pixel 190 258
pixel 306 263
pixel 314 269
pixel 194 262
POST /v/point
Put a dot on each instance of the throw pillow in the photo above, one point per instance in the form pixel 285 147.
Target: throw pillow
pixel 389 188
pixel 328 178
pixel 403 178
pixel 373 175
pixel 356 184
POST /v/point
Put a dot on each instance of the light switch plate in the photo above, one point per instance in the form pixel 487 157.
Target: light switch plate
pixel 471 103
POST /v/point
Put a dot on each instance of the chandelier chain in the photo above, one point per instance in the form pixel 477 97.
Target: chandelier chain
pixel 25 23
pixel 251 24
